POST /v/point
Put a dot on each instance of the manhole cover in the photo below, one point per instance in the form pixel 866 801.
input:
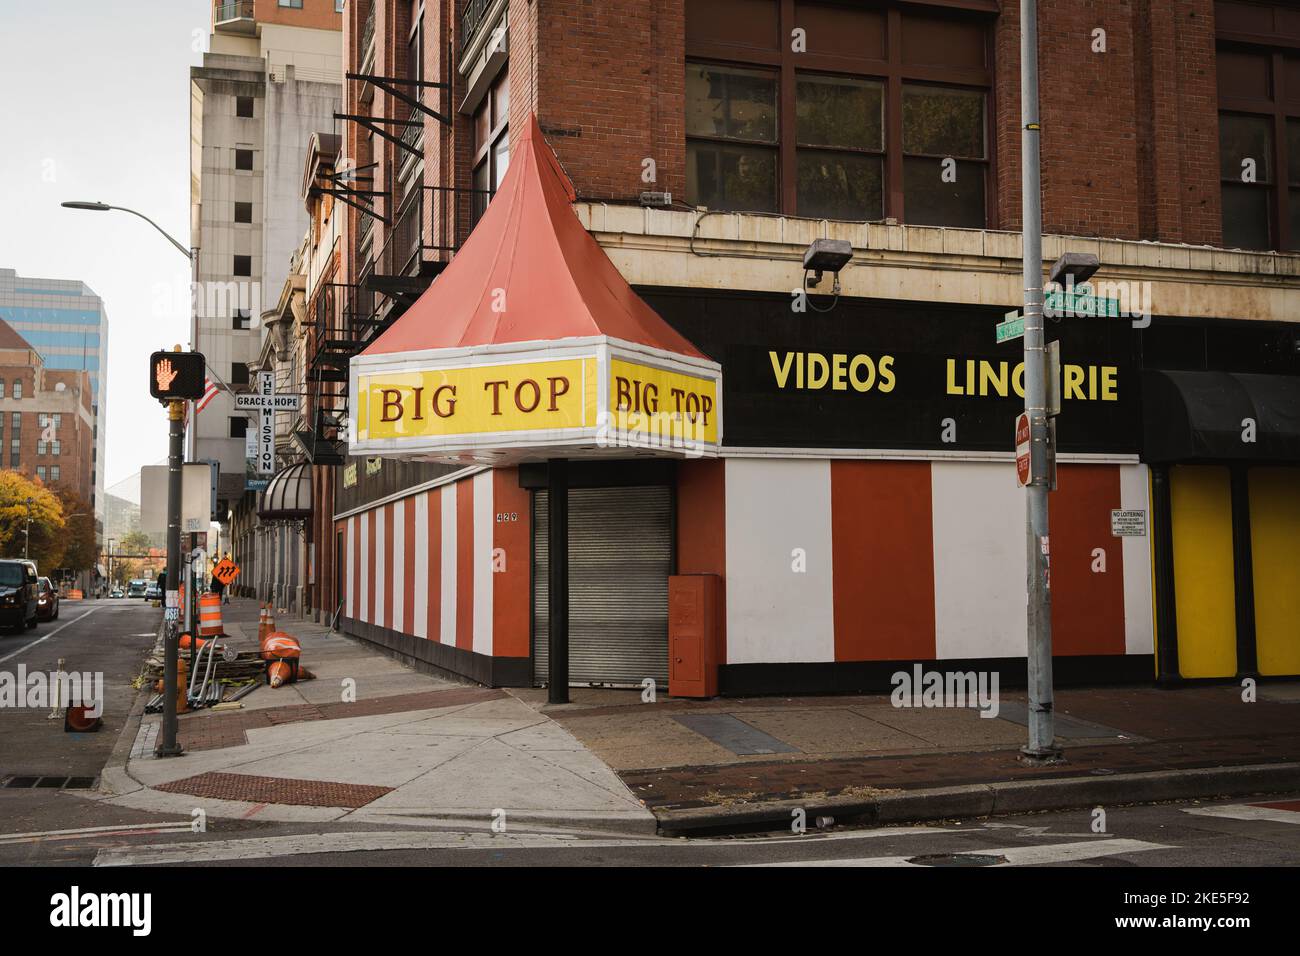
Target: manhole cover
pixel 958 859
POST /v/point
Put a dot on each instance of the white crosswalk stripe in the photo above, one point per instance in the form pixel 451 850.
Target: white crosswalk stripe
pixel 1015 855
pixel 1245 811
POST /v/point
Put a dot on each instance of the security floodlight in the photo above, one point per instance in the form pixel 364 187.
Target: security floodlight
pixel 92 206
pixel 1074 268
pixel 827 255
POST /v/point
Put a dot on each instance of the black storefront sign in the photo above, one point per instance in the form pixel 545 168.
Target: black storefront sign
pixel 878 374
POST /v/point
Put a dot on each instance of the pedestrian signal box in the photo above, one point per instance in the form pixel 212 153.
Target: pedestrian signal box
pixel 176 376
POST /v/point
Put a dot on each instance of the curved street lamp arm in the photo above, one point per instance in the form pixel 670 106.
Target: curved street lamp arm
pixel 187 253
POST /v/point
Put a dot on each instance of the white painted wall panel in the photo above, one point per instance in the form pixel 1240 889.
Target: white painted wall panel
pixel 979 560
pixel 775 614
pixel 367 561
pixel 382 597
pixel 483 576
pixel 448 630
pixel 400 570
pixel 420 579
pixel 350 557
pixel 1139 626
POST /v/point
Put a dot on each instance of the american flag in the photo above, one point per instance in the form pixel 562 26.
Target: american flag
pixel 210 389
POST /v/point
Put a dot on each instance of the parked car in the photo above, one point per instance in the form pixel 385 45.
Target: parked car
pixel 18 594
pixel 138 588
pixel 47 600
pixel 117 593
pixel 153 593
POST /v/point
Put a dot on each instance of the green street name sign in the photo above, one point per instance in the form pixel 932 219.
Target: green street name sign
pixel 1012 328
pixel 1080 303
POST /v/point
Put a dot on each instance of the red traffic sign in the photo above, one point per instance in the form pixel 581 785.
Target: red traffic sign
pixel 1023 446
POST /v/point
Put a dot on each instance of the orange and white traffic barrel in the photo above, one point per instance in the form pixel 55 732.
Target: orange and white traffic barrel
pixel 210 615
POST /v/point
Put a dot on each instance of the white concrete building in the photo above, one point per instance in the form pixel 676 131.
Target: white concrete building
pixel 270 80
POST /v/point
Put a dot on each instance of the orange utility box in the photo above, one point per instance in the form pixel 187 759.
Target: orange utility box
pixel 694 634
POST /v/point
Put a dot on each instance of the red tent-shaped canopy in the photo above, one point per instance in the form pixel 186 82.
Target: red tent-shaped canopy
pixel 531 344
pixel 529 272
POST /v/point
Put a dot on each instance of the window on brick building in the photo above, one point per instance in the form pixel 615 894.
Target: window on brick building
pixel 884 114
pixel 41 447
pixel 56 448
pixel 2 388
pixel 295 4
pixel 1259 147
pixel 16 420
pixel 18 388
pixel 56 473
pixel 491 143
pixel 15 452
pixel 40 472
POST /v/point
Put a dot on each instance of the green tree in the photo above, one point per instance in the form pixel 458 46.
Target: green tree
pixel 48 526
pixel 124 569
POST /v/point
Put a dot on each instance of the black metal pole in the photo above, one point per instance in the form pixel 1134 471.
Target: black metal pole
pixel 168 747
pixel 557 580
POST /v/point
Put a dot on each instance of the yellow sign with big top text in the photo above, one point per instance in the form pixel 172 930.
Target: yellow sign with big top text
pixel 477 400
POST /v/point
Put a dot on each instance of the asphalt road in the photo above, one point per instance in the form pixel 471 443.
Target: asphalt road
pixel 107 637
pixel 72 827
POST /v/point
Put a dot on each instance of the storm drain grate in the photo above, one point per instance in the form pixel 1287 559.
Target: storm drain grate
pixel 49 782
pixel 282 790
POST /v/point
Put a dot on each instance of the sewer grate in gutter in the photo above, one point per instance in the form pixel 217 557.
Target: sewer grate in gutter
pixel 48 782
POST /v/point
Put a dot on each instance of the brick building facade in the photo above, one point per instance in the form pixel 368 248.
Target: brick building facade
pixel 46 417
pixel 895 126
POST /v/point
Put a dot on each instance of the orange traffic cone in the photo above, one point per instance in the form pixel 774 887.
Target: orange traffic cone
pixel 263 623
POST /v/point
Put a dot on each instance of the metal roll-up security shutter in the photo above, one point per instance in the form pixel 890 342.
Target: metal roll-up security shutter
pixel 620 557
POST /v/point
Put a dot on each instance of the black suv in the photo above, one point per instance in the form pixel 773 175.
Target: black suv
pixel 18 594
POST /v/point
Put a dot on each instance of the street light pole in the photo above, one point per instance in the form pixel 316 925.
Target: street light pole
pixel 1041 746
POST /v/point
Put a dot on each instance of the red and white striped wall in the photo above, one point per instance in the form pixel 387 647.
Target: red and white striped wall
pixel 855 560
pixel 449 564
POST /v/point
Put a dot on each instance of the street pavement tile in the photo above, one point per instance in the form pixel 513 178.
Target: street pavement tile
pixel 280 790
pixel 643 738
pixel 380 758
pixel 493 775
pixel 830 730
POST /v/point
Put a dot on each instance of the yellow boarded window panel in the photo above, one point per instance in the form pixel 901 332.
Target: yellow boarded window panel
pixel 1204 582
pixel 1275 562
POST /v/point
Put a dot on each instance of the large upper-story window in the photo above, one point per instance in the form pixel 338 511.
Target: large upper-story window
pixel 491 144
pixel 1259 146
pixel 828 110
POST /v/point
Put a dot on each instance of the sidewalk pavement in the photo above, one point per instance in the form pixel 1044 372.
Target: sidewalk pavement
pixel 409 749
pixel 427 751
pixel 745 763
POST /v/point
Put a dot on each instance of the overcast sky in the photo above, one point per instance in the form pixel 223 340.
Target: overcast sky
pixel 94 104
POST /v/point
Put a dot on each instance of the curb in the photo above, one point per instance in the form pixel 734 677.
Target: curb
pixel 990 799
pixel 115 779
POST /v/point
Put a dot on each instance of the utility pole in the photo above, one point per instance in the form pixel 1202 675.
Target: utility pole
pixel 168 747
pixel 1042 735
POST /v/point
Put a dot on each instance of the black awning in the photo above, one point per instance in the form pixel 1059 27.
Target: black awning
pixel 288 496
pixel 1202 416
